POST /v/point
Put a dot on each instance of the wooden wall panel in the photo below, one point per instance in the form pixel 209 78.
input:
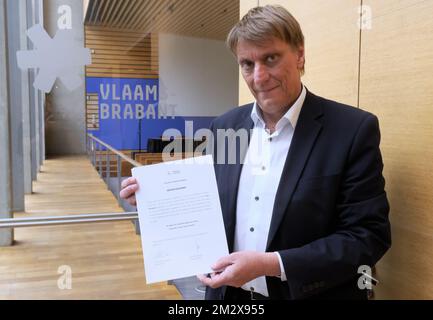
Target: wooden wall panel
pixel 120 53
pixel 395 67
pixel 396 84
pixel 207 19
pixel 331 44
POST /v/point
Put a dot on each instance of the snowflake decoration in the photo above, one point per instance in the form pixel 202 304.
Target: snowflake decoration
pixel 57 57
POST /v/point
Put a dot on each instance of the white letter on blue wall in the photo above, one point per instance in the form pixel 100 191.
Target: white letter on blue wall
pixel 151 112
pixel 139 111
pixel 152 90
pixel 105 111
pixel 116 111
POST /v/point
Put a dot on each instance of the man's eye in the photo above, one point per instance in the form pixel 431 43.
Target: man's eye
pixel 271 58
pixel 247 65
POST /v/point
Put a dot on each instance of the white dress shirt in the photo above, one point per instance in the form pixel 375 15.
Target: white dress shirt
pixel 260 177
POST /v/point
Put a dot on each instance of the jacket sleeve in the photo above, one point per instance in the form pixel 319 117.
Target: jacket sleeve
pixel 362 234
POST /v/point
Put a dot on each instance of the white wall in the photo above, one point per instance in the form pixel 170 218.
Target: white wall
pixel 199 76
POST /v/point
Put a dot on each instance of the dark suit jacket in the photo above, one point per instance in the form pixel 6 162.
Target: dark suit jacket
pixel 330 214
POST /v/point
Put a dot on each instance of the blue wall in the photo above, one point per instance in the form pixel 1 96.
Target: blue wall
pixel 128 105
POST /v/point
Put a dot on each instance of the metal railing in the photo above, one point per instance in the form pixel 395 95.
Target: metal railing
pixel 66 220
pixel 96 154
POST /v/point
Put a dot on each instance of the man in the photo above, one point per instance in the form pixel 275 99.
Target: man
pixel 318 211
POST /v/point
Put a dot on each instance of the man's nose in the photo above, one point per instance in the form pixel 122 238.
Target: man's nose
pixel 261 74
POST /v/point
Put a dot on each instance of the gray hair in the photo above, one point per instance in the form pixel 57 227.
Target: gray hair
pixel 262 23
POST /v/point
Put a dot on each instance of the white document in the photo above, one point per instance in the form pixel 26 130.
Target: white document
pixel 181 223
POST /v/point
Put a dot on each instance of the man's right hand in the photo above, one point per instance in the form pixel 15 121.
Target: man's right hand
pixel 129 187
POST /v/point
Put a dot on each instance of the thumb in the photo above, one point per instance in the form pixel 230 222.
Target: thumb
pixel 222 263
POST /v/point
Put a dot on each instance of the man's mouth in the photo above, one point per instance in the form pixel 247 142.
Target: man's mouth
pixel 267 90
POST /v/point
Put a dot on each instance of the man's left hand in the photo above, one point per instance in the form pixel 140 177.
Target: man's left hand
pixel 239 268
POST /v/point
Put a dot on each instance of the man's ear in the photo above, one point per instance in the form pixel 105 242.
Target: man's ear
pixel 301 57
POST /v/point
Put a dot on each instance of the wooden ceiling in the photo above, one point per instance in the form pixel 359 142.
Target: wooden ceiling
pixel 211 19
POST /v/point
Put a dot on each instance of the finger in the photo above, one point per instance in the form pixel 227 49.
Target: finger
pixel 129 191
pixel 204 279
pixel 216 280
pixel 207 281
pixel 132 201
pixel 222 263
pixel 201 277
pixel 127 182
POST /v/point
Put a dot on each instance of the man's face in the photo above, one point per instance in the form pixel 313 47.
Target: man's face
pixel 272 71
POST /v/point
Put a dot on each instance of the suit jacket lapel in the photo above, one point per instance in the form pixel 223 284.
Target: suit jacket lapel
pixel 304 137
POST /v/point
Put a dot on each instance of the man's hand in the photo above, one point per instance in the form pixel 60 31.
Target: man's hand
pixel 239 268
pixel 129 187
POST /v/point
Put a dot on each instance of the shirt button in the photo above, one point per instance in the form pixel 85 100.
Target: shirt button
pixel 264 168
pixel 252 229
pixel 257 198
pixel 270 139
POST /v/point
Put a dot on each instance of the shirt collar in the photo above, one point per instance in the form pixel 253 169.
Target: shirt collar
pixel 292 115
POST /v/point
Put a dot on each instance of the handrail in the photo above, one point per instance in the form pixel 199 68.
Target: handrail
pixel 82 218
pixel 124 157
pixel 66 220
pixel 94 146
